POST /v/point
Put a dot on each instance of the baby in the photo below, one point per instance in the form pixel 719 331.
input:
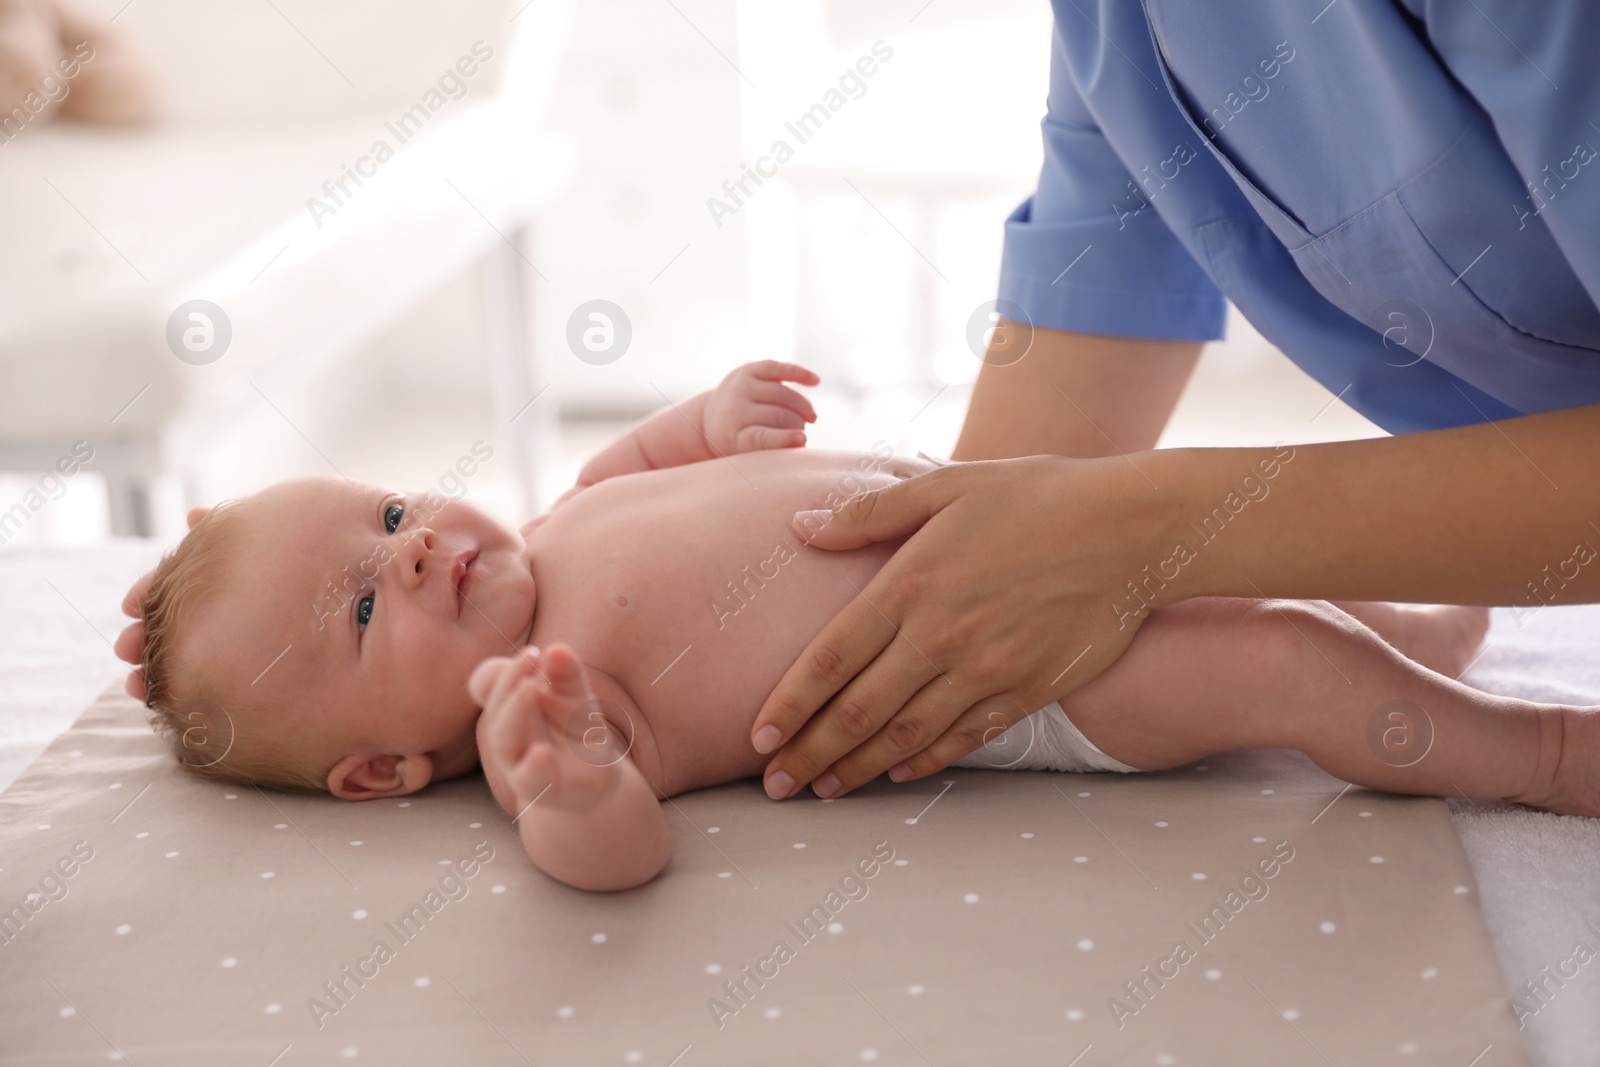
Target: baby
pixel 329 635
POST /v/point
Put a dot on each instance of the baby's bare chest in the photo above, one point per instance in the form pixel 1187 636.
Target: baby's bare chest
pixel 690 588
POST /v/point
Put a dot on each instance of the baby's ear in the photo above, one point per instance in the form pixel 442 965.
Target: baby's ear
pixel 369 775
pixel 196 514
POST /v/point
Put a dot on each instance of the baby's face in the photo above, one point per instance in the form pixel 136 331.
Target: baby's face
pixel 361 611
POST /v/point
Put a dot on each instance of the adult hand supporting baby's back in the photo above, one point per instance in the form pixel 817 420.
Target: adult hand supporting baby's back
pixel 1003 599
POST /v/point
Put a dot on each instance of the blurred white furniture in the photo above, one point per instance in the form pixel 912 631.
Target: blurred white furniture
pixel 890 235
pixel 103 234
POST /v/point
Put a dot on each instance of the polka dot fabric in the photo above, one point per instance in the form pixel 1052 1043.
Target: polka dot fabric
pixel 1246 913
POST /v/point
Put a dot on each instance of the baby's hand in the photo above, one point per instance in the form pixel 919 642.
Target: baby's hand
pixel 751 411
pixel 541 737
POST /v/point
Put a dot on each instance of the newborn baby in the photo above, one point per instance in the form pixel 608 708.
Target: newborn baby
pixel 329 635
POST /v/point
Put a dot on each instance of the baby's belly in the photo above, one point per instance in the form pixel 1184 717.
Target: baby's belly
pixel 691 589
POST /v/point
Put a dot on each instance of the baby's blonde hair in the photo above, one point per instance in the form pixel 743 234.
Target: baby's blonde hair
pixel 206 729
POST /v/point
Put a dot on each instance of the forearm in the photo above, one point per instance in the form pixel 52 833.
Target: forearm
pixel 1505 513
pixel 671 437
pixel 1075 394
pixel 620 842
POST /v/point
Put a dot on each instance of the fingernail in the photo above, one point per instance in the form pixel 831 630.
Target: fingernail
pixel 826 784
pixel 767 738
pixel 813 521
pixel 899 772
pixel 780 785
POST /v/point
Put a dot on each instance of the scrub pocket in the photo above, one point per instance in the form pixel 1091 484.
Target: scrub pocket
pixel 1444 278
pixel 1441 275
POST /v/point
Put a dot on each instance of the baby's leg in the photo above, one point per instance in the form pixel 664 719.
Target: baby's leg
pixel 1442 637
pixel 1210 674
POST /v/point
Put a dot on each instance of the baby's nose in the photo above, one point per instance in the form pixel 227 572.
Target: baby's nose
pixel 421 551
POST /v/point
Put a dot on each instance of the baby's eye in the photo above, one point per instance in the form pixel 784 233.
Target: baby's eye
pixel 393 515
pixel 364 612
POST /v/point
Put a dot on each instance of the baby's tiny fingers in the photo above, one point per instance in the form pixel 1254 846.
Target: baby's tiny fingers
pixel 517 722
pixel 491 678
pixel 483 677
pixel 499 722
pixel 534 775
pixel 130 643
pixel 529 698
pixel 527 663
pixel 759 438
pixel 784 397
pixel 565 671
pixel 778 370
pixel 133 603
pixel 773 415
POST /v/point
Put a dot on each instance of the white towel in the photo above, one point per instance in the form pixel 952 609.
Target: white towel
pixel 1538 873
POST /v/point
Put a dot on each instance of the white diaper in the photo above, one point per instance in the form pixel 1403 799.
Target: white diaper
pixel 1044 741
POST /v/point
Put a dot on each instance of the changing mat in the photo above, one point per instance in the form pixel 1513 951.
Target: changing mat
pixel 1249 909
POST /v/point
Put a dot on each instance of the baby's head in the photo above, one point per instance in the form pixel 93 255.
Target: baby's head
pixel 314 637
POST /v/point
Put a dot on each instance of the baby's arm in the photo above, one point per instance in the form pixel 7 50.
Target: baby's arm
pixel 750 410
pixel 586 815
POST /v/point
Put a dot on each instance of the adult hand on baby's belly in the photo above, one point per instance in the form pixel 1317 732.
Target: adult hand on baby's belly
pixel 997 604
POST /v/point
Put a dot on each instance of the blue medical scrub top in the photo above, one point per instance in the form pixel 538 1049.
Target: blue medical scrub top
pixel 1402 195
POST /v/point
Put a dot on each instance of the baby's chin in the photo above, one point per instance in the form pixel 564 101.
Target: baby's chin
pixel 528 609
pixel 499 589
pixel 531 613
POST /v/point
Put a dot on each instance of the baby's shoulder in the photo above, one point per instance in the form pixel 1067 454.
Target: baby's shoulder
pixel 538 520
